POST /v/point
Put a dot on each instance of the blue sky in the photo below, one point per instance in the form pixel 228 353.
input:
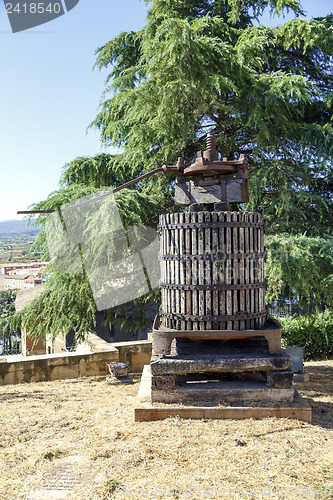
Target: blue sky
pixel 49 93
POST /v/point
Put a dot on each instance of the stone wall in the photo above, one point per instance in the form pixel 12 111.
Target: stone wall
pixel 73 365
pixel 134 354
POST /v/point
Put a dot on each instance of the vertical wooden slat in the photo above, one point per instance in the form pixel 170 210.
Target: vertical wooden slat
pixel 246 270
pixel 194 241
pixel 167 243
pixel 251 268
pixel 170 268
pixel 208 271
pixel 262 271
pixel 229 271
pixel 222 271
pixel 235 270
pixel 188 271
pixel 162 264
pixel 215 270
pixel 263 267
pixel 182 270
pixel 172 271
pixel 201 271
pixel 165 306
pixel 255 268
pixel 177 276
pixel 241 271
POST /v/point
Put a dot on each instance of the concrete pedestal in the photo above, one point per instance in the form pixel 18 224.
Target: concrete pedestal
pixel 146 410
pixel 231 371
pixel 219 377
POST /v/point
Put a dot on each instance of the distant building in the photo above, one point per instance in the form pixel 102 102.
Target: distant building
pixel 29 270
pixel 21 281
pixel 32 281
pixel 22 276
pixel 12 268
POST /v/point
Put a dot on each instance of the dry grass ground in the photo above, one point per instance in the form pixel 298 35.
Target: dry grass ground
pixel 45 424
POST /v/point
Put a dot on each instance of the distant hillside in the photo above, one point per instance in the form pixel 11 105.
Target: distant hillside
pixel 17 226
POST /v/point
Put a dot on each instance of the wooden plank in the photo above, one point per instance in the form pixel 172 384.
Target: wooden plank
pixel 162 262
pixel 234 190
pixel 231 190
pixel 205 194
pixel 188 270
pixel 182 270
pixel 176 263
pixel 262 249
pixel 241 272
pixel 194 243
pixel 146 414
pixel 229 271
pixel 235 262
pixel 262 272
pixel 252 321
pixel 201 271
pixel 172 270
pixel 208 271
pixel 167 245
pixel 256 270
pixel 165 305
pixel 182 194
pixel 224 190
pixel 222 271
pixel 215 269
pixel 247 269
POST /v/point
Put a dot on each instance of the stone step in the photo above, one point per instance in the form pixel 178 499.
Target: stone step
pixel 281 379
pixel 145 410
pixel 241 393
pixel 236 362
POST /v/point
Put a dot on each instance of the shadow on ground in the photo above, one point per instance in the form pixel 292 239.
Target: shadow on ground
pixel 317 392
pixel 15 396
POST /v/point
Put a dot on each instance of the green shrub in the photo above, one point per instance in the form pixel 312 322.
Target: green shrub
pixel 313 332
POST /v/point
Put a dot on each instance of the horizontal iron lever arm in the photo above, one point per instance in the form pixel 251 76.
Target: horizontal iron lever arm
pixel 115 190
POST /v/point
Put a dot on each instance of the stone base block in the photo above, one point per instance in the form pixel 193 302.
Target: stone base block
pixel 223 361
pixel 301 377
pixel 282 379
pixel 163 382
pixel 276 379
